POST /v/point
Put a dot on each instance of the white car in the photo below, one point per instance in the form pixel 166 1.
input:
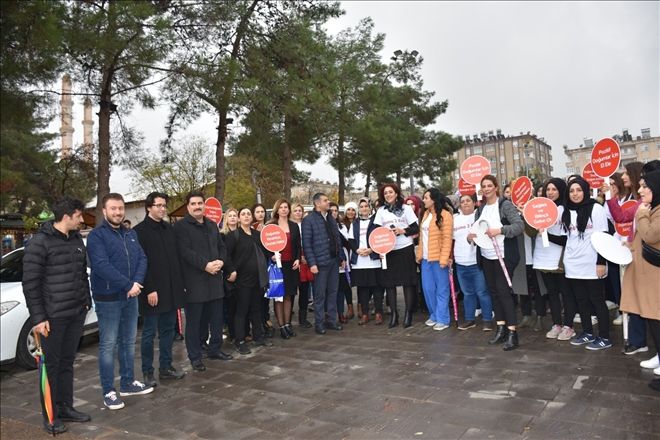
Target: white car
pixel 16 340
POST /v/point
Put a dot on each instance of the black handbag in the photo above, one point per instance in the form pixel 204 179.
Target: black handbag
pixel 650 254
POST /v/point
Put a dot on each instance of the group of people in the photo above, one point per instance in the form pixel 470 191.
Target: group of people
pixel 218 275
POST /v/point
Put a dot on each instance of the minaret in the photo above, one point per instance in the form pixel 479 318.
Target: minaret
pixel 88 124
pixel 66 130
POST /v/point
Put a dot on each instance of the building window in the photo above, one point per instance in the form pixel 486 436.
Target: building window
pixel 476 150
pixel 644 147
pixel 516 156
pixel 515 144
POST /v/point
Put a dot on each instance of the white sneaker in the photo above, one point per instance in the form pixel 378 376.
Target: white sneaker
pixel 610 305
pixel 477 312
pixel 440 327
pixel 430 322
pixel 577 319
pixel 554 332
pixel 594 320
pixel 657 371
pixel 652 363
pixel 618 320
pixel 566 333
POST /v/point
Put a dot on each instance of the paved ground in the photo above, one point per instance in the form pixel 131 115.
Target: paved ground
pixel 370 383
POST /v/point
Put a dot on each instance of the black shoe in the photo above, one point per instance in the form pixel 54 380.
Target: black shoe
pixel 262 343
pixel 500 335
pixel 407 319
pixel 319 330
pixel 333 326
pixel 467 325
pixel 242 348
pixel 198 365
pixel 149 380
pixel 178 337
pixel 221 356
pixel 170 373
pixel 655 384
pixel 511 342
pixel 67 413
pixel 283 333
pixel 394 320
pixel 304 323
pixel 56 428
pixel 289 330
pixel 268 332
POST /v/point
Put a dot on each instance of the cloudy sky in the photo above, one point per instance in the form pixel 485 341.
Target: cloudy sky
pixel 562 70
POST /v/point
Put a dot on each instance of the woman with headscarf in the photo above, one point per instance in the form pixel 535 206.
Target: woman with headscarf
pixel 643 273
pixel 585 268
pixel 350 214
pixel 549 262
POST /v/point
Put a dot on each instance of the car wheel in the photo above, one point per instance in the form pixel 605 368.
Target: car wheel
pixel 26 348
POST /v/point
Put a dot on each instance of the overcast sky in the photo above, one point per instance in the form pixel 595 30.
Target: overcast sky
pixel 564 71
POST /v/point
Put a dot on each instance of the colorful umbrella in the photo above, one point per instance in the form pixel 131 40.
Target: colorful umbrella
pixel 44 386
pixel 453 293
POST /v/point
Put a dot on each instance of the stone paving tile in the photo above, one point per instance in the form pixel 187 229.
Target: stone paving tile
pixel 371 383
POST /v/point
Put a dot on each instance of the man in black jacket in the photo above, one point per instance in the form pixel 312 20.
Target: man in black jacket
pixel 56 291
pixel 163 286
pixel 202 254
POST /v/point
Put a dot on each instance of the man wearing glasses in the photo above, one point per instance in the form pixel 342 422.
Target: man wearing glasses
pixel 163 292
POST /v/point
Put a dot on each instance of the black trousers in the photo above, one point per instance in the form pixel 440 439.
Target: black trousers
pixel 500 291
pixel 654 326
pixel 558 292
pixel 195 312
pixel 590 295
pixel 249 304
pixel 303 296
pixel 533 294
pixel 365 294
pixel 345 289
pixel 60 351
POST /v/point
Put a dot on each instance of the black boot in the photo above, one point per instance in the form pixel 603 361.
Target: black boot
pixel 407 319
pixel 511 342
pixel 500 335
pixel 302 318
pixel 394 315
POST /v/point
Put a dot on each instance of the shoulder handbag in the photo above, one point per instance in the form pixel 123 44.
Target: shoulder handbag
pixel 650 254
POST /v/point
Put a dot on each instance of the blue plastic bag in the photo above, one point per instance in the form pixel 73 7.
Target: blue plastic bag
pixel 275 282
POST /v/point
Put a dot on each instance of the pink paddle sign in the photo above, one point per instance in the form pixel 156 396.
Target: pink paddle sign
pixel 625 229
pixel 541 213
pixel 592 179
pixel 274 240
pixel 382 241
pixel 466 189
pixel 213 210
pixel 521 190
pixel 605 159
pixel 473 169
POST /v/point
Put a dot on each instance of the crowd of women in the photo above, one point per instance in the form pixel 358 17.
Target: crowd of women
pixel 435 238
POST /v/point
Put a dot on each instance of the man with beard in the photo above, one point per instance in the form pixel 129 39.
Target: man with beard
pixel 118 266
pixel 202 254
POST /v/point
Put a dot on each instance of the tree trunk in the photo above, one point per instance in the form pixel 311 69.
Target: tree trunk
pixel 287 161
pixel 398 178
pixel 103 177
pixel 367 185
pixel 220 174
pixel 341 173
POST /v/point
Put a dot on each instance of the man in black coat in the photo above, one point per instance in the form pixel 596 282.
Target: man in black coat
pixel 56 291
pixel 202 254
pixel 163 288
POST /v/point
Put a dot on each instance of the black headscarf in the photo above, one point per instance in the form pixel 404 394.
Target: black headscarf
pixel 583 208
pixel 560 184
pixel 652 180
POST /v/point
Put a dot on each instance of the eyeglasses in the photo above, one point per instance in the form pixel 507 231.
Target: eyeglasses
pixel 159 205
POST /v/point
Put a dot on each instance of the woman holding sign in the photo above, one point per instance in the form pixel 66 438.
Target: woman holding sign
pixel 401 267
pixel 290 258
pixel 585 268
pixel 501 223
pixel 433 254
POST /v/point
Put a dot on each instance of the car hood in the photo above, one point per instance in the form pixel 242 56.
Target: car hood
pixel 11 292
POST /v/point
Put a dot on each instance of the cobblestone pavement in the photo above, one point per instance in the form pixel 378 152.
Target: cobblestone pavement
pixel 369 383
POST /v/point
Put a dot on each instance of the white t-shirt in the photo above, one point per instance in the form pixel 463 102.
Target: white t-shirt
pixel 388 219
pixel 547 258
pixel 529 258
pixel 579 256
pixel 492 214
pixel 425 237
pixel 465 253
pixel 343 230
pixel 363 262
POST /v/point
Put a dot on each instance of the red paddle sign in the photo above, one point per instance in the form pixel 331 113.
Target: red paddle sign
pixel 521 190
pixel 540 213
pixel 466 189
pixel 624 229
pixel 382 240
pixel 605 157
pixel 592 178
pixel 213 210
pixel 474 168
pixel 273 238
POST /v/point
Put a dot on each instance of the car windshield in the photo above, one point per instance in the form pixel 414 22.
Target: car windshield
pixel 11 269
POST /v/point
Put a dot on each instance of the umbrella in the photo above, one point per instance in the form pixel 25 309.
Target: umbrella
pixel 453 293
pixel 179 321
pixel 44 386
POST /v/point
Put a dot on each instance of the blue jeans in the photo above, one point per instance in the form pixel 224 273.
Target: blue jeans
pixel 435 282
pixel 326 284
pixel 163 323
pixel 117 330
pixel 473 285
pixel 636 330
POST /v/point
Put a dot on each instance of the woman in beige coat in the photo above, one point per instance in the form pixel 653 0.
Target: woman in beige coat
pixel 640 294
